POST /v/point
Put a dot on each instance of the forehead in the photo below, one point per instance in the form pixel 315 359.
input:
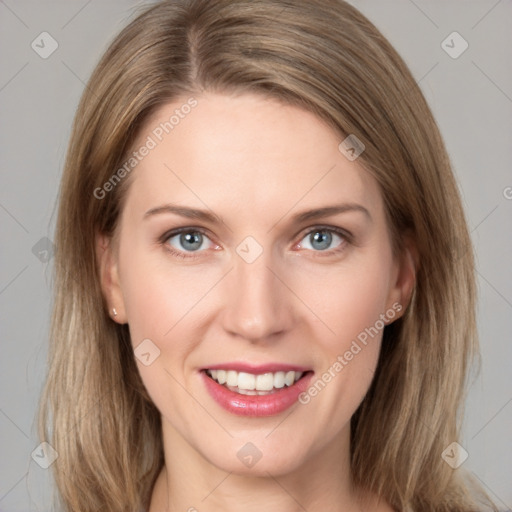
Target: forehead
pixel 245 153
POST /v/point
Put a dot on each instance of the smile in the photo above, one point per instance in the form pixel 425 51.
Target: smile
pixel 250 384
pixel 255 394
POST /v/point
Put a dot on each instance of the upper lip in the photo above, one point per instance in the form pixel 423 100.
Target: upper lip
pixel 258 369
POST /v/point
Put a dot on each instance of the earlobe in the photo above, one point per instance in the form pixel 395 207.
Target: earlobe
pixel 109 278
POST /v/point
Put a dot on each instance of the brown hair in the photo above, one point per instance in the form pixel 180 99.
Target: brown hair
pixel 322 55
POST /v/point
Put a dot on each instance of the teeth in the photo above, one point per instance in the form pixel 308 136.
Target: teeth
pixel 232 378
pixel 279 380
pixel 264 382
pixel 247 381
pixel 289 378
pixel 250 384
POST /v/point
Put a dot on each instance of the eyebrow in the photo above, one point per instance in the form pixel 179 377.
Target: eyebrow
pixel 208 216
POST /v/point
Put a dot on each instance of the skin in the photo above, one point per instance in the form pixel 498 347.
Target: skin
pixel 255 163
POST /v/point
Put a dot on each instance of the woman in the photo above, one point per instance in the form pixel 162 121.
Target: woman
pixel 258 303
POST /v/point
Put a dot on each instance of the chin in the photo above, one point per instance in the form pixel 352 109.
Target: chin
pixel 276 466
pixel 257 456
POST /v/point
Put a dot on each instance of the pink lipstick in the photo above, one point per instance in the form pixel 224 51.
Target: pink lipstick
pixel 256 390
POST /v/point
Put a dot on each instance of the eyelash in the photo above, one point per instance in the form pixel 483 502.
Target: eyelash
pixel 347 238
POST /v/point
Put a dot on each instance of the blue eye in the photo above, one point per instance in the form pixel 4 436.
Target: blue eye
pixel 187 241
pixel 190 242
pixel 320 239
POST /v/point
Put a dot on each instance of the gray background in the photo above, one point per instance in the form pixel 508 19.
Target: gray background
pixel 471 97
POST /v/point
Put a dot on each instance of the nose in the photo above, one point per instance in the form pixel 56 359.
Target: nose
pixel 258 305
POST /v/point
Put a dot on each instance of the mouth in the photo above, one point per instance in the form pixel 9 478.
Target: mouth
pixel 255 384
pixel 249 393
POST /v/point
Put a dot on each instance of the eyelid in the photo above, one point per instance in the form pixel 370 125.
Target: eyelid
pixel 346 236
pixel 343 233
pixel 185 229
pixel 326 227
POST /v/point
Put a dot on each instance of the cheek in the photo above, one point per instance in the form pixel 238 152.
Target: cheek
pixel 351 304
pixel 159 303
pixel 162 303
pixel 158 296
pixel 347 300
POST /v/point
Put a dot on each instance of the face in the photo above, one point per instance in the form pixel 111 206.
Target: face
pixel 249 244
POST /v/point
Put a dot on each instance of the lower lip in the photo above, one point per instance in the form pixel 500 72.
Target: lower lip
pixel 256 405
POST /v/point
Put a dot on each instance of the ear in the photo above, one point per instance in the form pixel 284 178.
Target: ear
pixel 404 278
pixel 106 256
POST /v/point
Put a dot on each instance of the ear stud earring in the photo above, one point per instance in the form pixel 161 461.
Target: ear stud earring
pixel 114 311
